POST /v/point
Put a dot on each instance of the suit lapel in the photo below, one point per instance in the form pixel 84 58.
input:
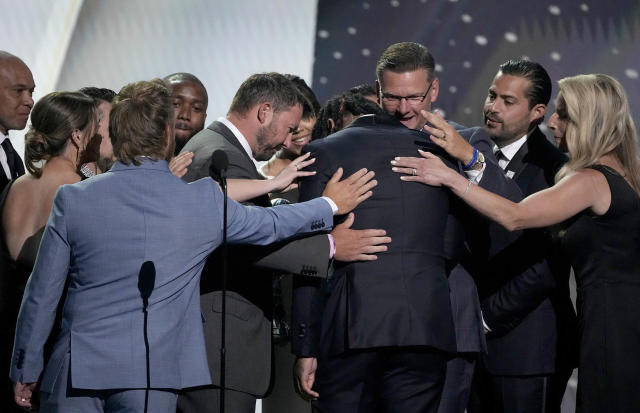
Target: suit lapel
pixel 517 164
pixel 223 130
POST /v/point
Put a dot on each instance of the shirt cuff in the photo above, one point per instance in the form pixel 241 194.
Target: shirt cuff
pixel 332 246
pixel 333 205
pixel 474 175
pixel 484 324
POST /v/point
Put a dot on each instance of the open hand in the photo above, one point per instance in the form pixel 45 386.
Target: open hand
pixel 446 137
pixel 285 180
pixel 350 192
pixel 358 244
pixel 429 169
pixel 179 163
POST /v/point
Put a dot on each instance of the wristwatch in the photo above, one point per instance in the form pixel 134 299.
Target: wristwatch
pixel 479 163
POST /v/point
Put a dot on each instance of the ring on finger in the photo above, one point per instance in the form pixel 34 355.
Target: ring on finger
pixel 444 136
pixel 415 172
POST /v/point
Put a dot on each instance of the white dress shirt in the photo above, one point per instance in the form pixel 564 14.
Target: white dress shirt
pixel 3 157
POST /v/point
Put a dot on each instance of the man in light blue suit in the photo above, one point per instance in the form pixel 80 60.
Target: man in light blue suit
pixel 136 230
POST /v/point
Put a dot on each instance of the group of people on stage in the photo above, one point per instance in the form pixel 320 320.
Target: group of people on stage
pixel 419 265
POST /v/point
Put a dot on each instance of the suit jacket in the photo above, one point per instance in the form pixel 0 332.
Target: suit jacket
pixel 99 234
pixel 249 304
pixel 465 223
pixel 524 288
pixel 402 298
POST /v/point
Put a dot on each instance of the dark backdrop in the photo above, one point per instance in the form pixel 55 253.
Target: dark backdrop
pixel 470 38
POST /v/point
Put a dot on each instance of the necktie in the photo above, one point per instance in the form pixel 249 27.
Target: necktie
pixel 13 159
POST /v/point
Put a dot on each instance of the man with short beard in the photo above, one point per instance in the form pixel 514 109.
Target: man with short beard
pixel 264 114
pixel 531 321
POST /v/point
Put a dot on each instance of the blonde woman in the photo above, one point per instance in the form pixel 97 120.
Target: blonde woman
pixel 596 200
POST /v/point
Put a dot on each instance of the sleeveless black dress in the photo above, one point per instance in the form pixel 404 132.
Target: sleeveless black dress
pixel 13 278
pixel 605 252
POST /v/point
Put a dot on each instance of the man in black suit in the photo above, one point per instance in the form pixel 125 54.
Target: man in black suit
pixel 16 91
pixel 378 326
pixel 523 287
pixel 263 116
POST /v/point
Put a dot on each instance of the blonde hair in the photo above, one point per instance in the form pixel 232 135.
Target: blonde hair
pixel 599 123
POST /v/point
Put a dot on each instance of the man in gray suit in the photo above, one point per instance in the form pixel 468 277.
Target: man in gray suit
pixel 131 332
pixel 262 117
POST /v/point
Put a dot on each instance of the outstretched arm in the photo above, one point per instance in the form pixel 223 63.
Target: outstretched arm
pixel 583 189
pixel 244 189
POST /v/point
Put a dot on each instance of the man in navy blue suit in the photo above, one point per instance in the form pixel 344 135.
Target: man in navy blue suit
pixel 381 334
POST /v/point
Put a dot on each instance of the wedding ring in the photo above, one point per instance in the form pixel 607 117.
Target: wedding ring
pixel 415 172
pixel 23 399
pixel 444 136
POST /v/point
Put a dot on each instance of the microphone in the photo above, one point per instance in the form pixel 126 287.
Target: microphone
pixel 146 281
pixel 218 171
pixel 219 165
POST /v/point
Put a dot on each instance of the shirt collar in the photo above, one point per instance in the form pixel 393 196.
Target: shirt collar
pixel 510 150
pixel 239 136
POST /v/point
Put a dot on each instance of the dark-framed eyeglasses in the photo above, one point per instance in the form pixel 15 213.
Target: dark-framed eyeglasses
pixel 391 99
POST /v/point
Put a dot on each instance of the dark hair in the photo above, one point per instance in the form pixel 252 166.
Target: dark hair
pixel 330 110
pixel 405 57
pixel 540 90
pixel 53 120
pixel 364 89
pixel 354 103
pixel 99 93
pixel 311 106
pixel 139 115
pixel 266 87
pixel 357 104
pixel 182 77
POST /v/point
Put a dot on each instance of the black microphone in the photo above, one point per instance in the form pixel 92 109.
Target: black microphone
pixel 146 281
pixel 218 171
pixel 219 165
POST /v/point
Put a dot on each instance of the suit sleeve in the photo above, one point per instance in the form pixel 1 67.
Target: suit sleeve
pixel 520 290
pixel 291 257
pixel 517 295
pixel 493 177
pixel 41 297
pixel 308 297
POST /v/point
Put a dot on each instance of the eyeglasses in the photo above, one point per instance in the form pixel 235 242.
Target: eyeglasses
pixel 413 100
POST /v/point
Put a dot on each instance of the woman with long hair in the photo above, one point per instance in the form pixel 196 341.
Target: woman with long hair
pixel 596 201
pixel 62 124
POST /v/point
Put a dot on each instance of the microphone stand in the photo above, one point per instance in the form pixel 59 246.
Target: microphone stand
pixel 223 183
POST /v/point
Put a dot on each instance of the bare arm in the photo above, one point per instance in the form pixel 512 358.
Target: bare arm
pixel 244 189
pixel 583 189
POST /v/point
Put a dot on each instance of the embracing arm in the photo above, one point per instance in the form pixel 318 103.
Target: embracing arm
pixel 574 193
pixel 244 189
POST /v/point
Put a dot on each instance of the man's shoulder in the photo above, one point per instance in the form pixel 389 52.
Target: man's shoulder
pixel 205 139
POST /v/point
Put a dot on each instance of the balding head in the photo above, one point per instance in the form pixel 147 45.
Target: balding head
pixel 16 90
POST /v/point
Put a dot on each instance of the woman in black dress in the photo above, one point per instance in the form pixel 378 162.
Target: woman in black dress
pixel 596 199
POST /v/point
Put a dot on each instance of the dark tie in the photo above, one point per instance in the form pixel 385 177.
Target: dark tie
pixel 13 159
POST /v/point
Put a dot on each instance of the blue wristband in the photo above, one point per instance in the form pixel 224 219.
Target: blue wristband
pixel 473 160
